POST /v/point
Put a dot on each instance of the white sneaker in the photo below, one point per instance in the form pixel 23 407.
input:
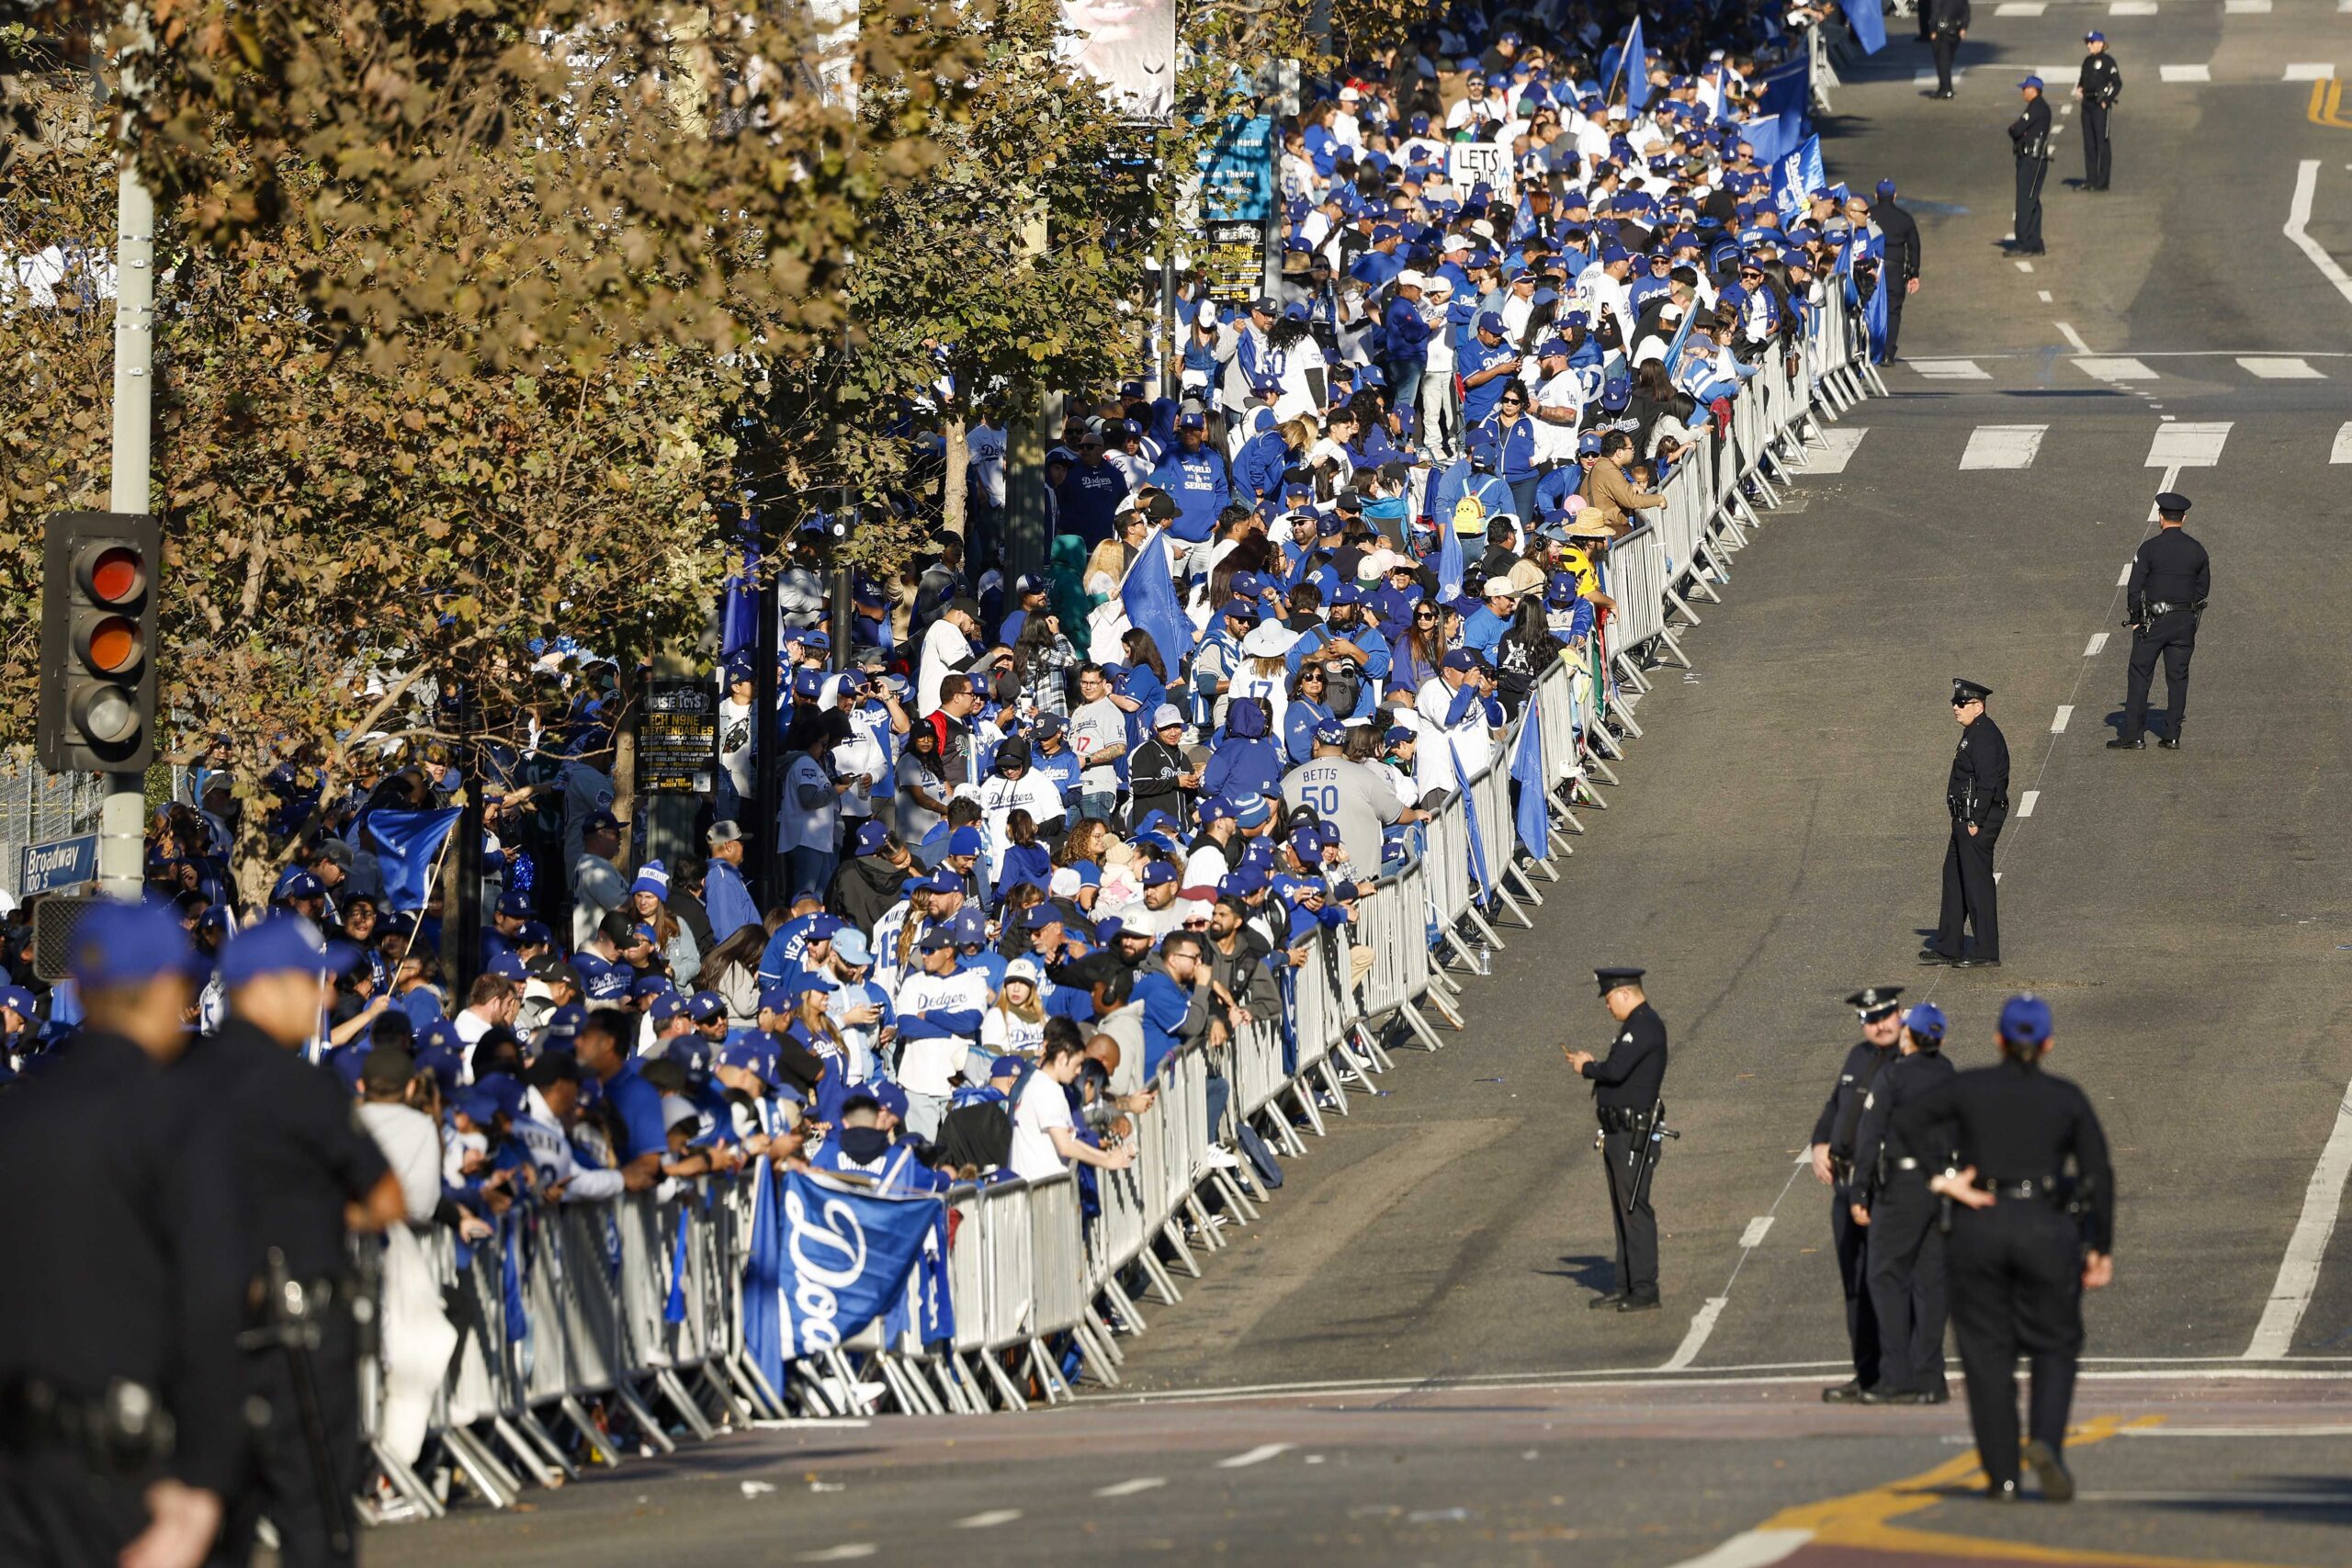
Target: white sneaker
pixel 1218 1159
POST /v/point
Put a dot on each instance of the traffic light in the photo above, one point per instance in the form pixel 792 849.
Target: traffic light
pixel 99 581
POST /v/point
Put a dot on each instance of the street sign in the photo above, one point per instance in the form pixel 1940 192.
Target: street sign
pixel 677 738
pixel 68 862
pixel 1237 172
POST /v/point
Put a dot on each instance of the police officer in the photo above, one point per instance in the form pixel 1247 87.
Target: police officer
pixel 2099 86
pixel 1902 270
pixel 304 1175
pixel 2163 598
pixel 2026 1242
pixel 1625 1085
pixel 1978 795
pixel 1833 1164
pixel 1942 24
pixel 2030 140
pixel 1905 1266
pixel 120 1295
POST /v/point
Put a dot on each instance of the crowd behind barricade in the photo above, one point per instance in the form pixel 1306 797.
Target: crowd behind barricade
pixel 1037 839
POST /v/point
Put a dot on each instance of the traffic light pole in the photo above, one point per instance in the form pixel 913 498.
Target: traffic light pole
pixel 122 821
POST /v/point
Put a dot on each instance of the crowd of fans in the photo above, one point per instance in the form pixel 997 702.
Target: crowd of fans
pixel 1024 848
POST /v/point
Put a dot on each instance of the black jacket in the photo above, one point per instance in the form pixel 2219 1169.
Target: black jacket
pixel 1902 237
pixel 1633 1072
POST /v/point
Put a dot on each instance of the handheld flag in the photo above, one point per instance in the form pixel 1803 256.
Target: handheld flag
pixel 1449 557
pixel 1527 771
pixel 1868 22
pixel 407 843
pixel 1148 596
pixel 825 1262
pixel 1634 66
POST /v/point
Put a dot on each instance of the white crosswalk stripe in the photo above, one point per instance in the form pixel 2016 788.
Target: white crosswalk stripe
pixel 2247 7
pixel 2184 72
pixel 2342 451
pixel 2309 70
pixel 2002 445
pixel 2282 369
pixel 1842 440
pixel 2133 8
pixel 2020 8
pixel 2186 444
pixel 1950 369
pixel 2113 369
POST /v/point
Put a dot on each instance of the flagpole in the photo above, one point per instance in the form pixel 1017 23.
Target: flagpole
pixel 439 856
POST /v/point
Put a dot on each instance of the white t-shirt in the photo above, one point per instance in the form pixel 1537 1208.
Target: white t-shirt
pixel 945 652
pixel 1043 1107
pixel 735 744
pixel 1297 394
pixel 412 1146
pixel 985 445
pixel 1001 1031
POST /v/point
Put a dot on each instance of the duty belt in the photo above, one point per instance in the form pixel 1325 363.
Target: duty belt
pixel 1619 1118
pixel 124 1431
pixel 1906 1163
pixel 2162 607
pixel 2042 1187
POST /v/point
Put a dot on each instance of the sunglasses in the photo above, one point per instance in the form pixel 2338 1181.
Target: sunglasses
pixel 1312 678
pixel 1425 614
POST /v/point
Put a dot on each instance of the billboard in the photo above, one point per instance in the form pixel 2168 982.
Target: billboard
pixel 1129 46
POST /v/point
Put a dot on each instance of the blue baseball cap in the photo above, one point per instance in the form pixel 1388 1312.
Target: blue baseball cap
pixel 1006 1066
pixel 1330 732
pixel 1488 321
pixel 2030 82
pixel 1926 1020
pixel 128 944
pixel 507 964
pixel 778 998
pixel 16 999
pixel 282 944
pixel 2025 1020
pixel 966 841
pixel 750 1056
pixel 668 1007
pixel 704 1006
pixel 2094 36
pixel 1249 879
pixel 850 949
pixel 889 1097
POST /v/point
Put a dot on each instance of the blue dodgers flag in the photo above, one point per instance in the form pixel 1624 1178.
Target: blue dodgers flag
pixel 1479 877
pixel 406 844
pixel 1148 596
pixel 1528 772
pixel 738 607
pixel 1875 314
pixel 1868 22
pixel 825 1262
pixel 1634 63
pixel 1774 137
pixel 1449 557
pixel 1795 176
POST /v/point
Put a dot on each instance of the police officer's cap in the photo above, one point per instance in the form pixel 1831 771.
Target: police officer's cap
pixel 2025 1020
pixel 2172 503
pixel 1611 979
pixel 1966 691
pixel 1874 1002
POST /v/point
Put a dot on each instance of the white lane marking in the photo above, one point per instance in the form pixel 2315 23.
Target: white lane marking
pixel 1258 1455
pixel 2298 213
pixel 2184 72
pixel 2247 7
pixel 1756 1230
pixel 1927 78
pixel 2020 8
pixel 2025 267
pixel 989 1520
pixel 2122 578
pixel 2133 8
pixel 2281 369
pixel 1996 876
pixel 2074 339
pixel 1702 1323
pixel 2342 451
pixel 840 1553
pixel 2044 295
pixel 2187 445
pixel 1950 369
pixel 1751 1549
pixel 1842 440
pixel 2002 447
pixel 2058 722
pixel 2298 1271
pixel 2308 71
pixel 2098 640
pixel 2115 369
pixel 2025 806
pixel 1129 1488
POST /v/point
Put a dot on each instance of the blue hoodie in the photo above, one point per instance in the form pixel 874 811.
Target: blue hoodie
pixel 1242 760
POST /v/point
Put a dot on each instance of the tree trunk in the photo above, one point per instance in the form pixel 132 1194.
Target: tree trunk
pixel 629 693
pixel 955 482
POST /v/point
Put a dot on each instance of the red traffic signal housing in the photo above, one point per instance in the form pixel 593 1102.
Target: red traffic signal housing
pixel 98 643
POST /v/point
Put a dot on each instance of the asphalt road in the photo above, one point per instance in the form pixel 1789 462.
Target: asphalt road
pixel 1408 1317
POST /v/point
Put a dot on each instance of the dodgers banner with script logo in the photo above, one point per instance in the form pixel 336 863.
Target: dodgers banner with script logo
pixel 825 1262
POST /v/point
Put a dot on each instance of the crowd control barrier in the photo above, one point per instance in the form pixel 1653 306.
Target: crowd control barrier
pixel 579 1323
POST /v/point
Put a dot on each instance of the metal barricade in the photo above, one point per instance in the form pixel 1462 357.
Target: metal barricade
pixel 1635 574
pixel 1058 1265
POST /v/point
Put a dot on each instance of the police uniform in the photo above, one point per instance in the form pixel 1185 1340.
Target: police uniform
pixel 2030 140
pixel 121 1296
pixel 298 1156
pixel 2164 598
pixel 2017 1265
pixel 1978 797
pixel 1905 1263
pixel 1835 1128
pixel 2100 83
pixel 1625 1085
